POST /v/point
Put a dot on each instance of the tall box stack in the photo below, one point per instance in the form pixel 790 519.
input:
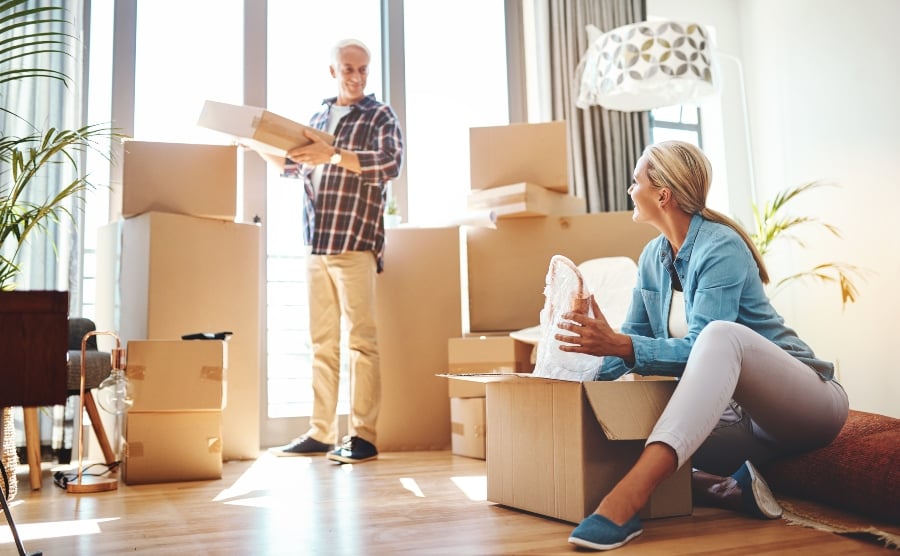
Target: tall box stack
pixel 173 430
pixel 521 170
pixel 179 263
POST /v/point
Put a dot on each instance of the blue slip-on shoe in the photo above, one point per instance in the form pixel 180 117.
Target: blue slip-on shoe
pixel 599 533
pixel 757 497
pixel 354 450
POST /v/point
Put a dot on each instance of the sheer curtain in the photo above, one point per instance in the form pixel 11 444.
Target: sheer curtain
pixel 50 261
pixel 605 145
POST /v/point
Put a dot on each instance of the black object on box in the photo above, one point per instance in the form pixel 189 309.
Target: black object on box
pixel 207 336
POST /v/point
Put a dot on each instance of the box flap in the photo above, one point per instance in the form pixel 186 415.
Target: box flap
pixel 265 130
pixel 628 410
pixel 490 377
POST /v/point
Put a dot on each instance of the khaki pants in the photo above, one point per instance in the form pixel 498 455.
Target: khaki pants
pixel 343 285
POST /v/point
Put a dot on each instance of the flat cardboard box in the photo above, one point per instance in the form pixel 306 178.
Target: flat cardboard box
pixel 467 427
pixel 177 375
pixel 524 199
pixel 488 353
pixel 198 180
pixel 171 275
pixel 172 446
pixel 536 153
pixel 257 126
pixel 507 266
pixel 556 447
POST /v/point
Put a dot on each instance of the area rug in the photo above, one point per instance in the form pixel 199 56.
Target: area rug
pixel 798 511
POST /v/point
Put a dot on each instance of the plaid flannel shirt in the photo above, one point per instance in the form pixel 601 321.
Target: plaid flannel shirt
pixel 347 211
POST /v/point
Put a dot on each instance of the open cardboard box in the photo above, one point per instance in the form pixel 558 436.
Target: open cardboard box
pixel 266 130
pixel 556 447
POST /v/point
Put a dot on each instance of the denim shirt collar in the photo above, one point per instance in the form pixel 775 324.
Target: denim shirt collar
pixel 684 254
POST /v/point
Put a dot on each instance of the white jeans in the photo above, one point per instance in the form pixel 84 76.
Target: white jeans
pixel 344 285
pixel 743 397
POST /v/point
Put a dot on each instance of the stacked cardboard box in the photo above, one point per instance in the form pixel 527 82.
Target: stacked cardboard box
pixel 177 262
pixel 478 354
pixel 173 431
pixel 521 170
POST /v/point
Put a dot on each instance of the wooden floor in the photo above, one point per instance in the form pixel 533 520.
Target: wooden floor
pixel 403 503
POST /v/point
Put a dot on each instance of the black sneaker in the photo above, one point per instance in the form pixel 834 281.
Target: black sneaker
pixel 354 450
pixel 303 446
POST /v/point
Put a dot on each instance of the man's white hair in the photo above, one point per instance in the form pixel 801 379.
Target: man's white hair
pixel 336 50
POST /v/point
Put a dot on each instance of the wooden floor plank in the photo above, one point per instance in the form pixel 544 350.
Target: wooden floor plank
pixel 411 502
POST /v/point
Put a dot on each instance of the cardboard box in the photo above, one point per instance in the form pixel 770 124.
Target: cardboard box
pixel 535 153
pixel 177 375
pixel 467 427
pixel 485 354
pixel 198 180
pixel 421 283
pixel 507 266
pixel 520 200
pixel 172 446
pixel 556 447
pixel 263 129
pixel 173 275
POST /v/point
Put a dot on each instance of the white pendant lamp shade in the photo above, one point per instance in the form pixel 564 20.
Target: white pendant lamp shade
pixel 647 65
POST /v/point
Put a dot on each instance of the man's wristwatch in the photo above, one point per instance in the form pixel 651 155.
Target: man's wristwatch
pixel 336 157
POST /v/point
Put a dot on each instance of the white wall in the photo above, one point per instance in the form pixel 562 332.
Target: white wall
pixel 822 77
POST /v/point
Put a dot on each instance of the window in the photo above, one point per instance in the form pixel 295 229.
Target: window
pixel 680 123
pixel 450 86
pixel 298 80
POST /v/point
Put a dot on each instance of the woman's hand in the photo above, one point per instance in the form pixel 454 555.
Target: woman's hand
pixel 592 335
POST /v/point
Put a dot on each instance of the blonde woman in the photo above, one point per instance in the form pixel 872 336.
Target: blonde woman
pixel 750 390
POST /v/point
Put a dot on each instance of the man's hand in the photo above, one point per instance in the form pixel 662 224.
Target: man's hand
pixel 313 154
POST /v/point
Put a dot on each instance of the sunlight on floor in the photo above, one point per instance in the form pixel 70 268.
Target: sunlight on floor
pixel 475 487
pixel 257 486
pixel 411 485
pixel 267 471
pixel 53 529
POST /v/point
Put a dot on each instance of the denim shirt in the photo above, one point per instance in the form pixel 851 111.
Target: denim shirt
pixel 720 280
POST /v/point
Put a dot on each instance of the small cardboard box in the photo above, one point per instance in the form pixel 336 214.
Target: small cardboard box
pixel 535 153
pixel 488 353
pixel 484 354
pixel 524 199
pixel 263 129
pixel 556 447
pixel 172 446
pixel 467 427
pixel 197 180
pixel 177 375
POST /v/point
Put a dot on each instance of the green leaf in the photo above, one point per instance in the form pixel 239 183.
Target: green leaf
pixel 771 225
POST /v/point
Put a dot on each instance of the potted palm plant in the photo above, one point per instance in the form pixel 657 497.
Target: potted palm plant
pixel 773 222
pixel 34 324
pixel 28 37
